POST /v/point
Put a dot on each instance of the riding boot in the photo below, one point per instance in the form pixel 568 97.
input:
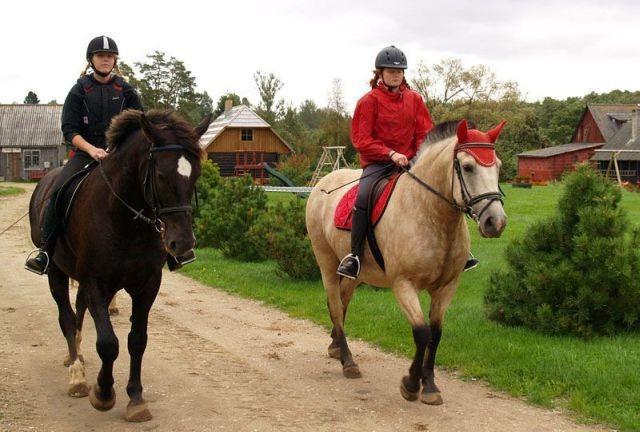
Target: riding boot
pixel 350 265
pixel 472 262
pixel 40 263
pixel 174 263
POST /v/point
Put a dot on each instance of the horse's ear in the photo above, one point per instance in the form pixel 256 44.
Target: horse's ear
pixel 462 131
pixel 495 132
pixel 148 129
pixel 204 125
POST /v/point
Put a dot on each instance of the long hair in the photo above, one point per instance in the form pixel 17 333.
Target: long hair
pixel 115 70
pixel 377 76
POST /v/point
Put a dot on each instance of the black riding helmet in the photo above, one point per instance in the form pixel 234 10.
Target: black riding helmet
pixel 101 44
pixel 391 57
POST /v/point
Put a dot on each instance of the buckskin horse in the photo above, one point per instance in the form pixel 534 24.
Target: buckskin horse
pixel 423 237
pixel 131 211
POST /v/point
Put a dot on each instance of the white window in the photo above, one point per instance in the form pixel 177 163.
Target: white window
pixel 31 159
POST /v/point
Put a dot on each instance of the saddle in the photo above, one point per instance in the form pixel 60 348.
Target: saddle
pixel 68 191
pixel 382 191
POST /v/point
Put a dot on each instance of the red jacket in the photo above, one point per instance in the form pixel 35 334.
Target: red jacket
pixel 385 121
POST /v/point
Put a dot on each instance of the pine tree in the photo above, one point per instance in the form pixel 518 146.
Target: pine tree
pixel 575 272
pixel 31 98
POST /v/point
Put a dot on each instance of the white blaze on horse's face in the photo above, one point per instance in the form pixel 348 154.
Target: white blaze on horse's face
pixel 184 167
pixel 479 180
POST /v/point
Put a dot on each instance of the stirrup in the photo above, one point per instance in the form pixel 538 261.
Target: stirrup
pixel 349 276
pixel 46 267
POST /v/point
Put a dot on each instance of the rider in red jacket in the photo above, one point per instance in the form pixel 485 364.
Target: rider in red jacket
pixel 389 125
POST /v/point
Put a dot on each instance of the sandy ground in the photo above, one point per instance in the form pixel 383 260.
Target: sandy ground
pixel 218 362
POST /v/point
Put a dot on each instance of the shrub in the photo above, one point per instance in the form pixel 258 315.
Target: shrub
pixel 283 227
pixel 576 272
pixel 297 168
pixel 228 210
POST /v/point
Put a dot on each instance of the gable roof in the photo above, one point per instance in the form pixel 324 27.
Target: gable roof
pixel 608 118
pixel 558 150
pixel 620 141
pixel 28 125
pixel 240 116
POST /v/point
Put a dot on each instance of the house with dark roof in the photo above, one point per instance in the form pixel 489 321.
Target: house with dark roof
pixel 599 125
pixel 623 150
pixel 31 142
pixel 240 142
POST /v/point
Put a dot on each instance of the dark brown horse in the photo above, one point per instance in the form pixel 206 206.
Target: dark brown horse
pixel 152 166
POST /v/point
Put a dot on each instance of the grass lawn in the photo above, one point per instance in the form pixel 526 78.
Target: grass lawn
pixel 10 190
pixel 597 380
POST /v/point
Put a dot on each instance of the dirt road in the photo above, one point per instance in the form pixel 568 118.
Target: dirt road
pixel 217 362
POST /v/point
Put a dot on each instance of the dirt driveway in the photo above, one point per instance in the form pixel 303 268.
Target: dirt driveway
pixel 218 362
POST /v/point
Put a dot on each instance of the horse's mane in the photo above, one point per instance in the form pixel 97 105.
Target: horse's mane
pixel 441 132
pixel 128 122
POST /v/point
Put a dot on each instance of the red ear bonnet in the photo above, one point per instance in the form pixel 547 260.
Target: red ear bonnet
pixel 480 145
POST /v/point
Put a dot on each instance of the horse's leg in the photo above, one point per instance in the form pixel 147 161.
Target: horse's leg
pixel 440 301
pixel 331 283
pixel 113 306
pixel 102 395
pixel 407 295
pixel 81 308
pixel 347 288
pixel 59 286
pixel 137 410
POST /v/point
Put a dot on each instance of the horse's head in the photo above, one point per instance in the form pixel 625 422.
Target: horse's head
pixel 169 172
pixel 478 170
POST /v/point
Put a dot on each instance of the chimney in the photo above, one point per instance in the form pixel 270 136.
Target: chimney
pixel 635 122
pixel 228 104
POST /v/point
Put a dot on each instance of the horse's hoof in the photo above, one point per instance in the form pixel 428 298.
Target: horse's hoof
pixel 431 398
pixel 98 403
pixel 334 352
pixel 351 371
pixel 138 412
pixel 405 390
pixel 78 390
pixel 114 311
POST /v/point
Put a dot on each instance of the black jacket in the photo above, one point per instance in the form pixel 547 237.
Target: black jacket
pixel 90 106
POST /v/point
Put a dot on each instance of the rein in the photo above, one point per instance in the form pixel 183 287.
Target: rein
pixel 149 182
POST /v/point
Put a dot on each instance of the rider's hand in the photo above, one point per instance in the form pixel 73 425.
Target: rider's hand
pixel 399 159
pixel 97 153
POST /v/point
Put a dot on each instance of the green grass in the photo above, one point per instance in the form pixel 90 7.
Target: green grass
pixel 596 380
pixel 10 190
pixel 280 197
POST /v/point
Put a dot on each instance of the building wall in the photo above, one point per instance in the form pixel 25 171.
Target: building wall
pixel 551 168
pixel 588 131
pixel 263 140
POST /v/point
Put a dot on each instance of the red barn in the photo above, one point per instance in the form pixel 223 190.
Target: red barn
pixel 598 124
pixel 549 163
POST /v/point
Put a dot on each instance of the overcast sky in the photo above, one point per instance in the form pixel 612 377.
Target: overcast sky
pixel 556 49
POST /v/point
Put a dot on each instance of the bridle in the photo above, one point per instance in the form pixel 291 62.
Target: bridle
pixel 468 200
pixel 150 193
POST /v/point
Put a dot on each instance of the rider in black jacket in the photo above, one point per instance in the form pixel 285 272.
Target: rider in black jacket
pixel 88 109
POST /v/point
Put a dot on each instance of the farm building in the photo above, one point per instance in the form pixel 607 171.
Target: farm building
pixel 239 142
pixel 624 150
pixel 31 141
pixel 598 126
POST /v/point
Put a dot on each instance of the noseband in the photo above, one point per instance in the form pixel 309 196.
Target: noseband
pixel 150 192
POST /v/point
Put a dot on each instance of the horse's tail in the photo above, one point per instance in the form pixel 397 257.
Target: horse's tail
pixel 38 204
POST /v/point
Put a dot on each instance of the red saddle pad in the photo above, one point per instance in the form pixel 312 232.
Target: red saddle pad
pixel 342 215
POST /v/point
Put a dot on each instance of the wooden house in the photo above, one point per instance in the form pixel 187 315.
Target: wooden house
pixel 239 142
pixel 31 142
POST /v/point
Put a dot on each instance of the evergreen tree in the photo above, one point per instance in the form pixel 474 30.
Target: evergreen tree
pixel 31 98
pixel 575 272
